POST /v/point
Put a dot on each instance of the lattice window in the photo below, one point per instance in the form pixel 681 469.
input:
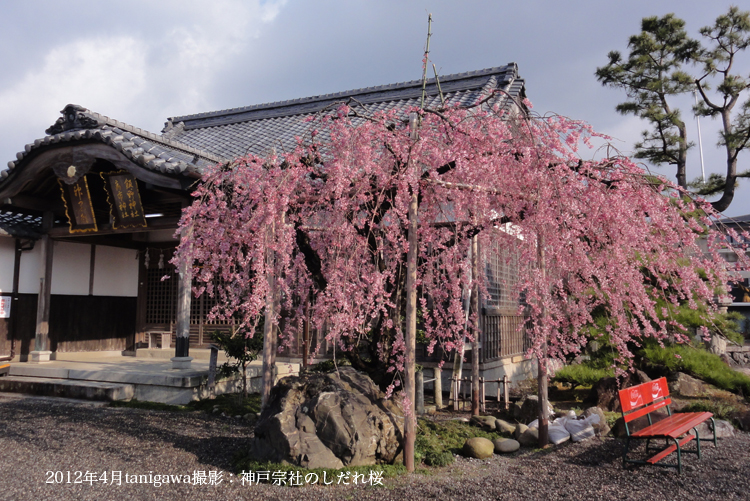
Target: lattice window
pixel 161 295
pixel 500 264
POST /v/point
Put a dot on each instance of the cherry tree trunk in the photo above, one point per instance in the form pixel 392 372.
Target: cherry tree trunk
pixel 542 362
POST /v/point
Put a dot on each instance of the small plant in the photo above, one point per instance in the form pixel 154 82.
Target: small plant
pixel 241 349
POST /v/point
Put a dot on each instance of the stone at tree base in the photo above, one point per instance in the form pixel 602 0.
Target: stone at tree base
pixel 604 393
pixel 529 438
pixel 504 426
pixel 687 386
pixel 529 409
pixel 505 445
pixel 328 421
pixel 601 428
pixel 618 430
pixel 478 447
pixel 724 429
pixel 485 422
pixel 520 429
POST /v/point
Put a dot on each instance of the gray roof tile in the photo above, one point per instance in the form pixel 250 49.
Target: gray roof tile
pixel 259 128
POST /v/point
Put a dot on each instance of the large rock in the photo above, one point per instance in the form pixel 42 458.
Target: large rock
pixel 724 429
pixel 687 386
pixel 529 438
pixel 718 345
pixel 328 421
pixel 529 409
pixel 505 445
pixel 520 429
pixel 504 426
pixel 478 447
pixel 742 420
pixel 604 393
pixel 485 422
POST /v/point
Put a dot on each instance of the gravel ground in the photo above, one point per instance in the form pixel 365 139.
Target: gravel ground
pixel 43 435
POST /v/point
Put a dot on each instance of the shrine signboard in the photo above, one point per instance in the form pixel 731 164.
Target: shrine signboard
pixel 78 206
pixel 124 200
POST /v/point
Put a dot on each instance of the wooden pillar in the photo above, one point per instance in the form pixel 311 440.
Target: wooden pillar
pixel 182 358
pixel 475 328
pixel 92 266
pixel 438 385
pixel 41 351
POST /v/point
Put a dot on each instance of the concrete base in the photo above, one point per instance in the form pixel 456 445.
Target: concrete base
pixel 122 378
pixel 181 363
pixel 36 357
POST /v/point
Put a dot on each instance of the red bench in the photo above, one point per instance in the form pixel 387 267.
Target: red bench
pixel 644 399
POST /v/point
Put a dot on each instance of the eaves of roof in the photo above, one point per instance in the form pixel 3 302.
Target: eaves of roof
pixel 146 149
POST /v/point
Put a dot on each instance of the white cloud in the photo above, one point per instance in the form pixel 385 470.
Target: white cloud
pixel 139 77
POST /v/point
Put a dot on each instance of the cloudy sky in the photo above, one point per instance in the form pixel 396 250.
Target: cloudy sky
pixel 143 61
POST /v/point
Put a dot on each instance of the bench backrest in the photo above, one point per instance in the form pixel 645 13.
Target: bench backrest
pixel 643 399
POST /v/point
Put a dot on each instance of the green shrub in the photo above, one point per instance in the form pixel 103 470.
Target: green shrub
pixel 699 363
pixel 720 410
pixel 443 458
pixel 581 375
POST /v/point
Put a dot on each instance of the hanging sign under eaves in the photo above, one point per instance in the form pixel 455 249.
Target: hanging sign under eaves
pixel 124 200
pixel 78 206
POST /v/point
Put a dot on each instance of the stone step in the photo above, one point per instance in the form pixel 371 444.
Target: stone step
pixel 54 387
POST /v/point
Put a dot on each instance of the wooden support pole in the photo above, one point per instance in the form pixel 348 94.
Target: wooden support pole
pixel 419 390
pixel 506 395
pixel 41 351
pixel 438 385
pixel 475 327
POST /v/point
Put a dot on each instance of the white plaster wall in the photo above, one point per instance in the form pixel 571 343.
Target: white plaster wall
pixel 70 268
pixel 116 272
pixel 7 253
pixel 28 279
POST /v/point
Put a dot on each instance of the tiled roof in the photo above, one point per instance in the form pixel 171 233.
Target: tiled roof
pixel 191 143
pixel 144 148
pixel 258 129
pixel 20 225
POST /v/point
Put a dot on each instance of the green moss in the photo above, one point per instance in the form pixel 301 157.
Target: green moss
pixel 699 363
pixel 233 404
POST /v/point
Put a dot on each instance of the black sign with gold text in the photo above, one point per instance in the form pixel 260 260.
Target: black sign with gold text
pixel 124 200
pixel 78 207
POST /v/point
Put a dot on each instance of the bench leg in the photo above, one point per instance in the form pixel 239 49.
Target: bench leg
pixel 697 441
pixel 713 427
pixel 679 456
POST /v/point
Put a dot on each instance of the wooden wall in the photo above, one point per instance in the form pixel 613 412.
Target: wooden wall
pixel 78 323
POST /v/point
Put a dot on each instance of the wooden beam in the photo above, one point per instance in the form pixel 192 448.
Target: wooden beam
pixel 162 223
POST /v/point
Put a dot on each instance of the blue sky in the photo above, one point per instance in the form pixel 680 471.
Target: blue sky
pixel 143 61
